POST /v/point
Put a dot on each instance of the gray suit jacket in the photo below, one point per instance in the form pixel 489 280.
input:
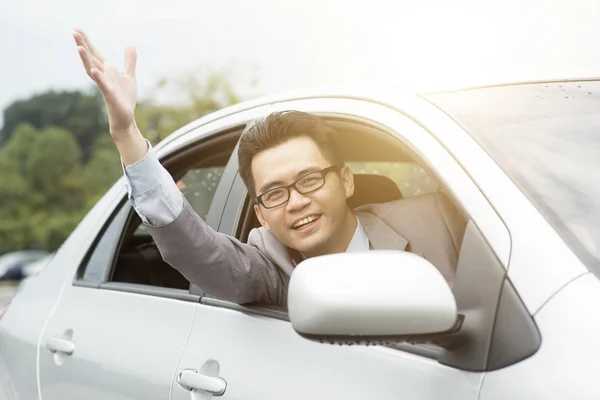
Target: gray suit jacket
pixel 259 271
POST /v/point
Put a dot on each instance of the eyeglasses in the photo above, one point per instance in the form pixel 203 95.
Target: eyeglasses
pixel 306 184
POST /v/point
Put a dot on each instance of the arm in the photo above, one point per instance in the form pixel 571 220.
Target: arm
pixel 217 263
pixel 119 90
pixel 222 265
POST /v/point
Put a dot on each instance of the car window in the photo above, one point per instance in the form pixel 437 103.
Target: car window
pixel 546 138
pixel 125 252
pixel 198 185
pixel 96 266
pixel 410 177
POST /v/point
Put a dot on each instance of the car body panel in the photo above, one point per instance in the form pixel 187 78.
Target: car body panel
pixel 126 345
pixel 566 365
pixel 265 358
pixel 24 321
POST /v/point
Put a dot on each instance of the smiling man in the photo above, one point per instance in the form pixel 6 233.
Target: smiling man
pixel 302 201
pixel 292 167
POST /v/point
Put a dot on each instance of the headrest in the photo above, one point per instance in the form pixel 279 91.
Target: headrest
pixel 372 188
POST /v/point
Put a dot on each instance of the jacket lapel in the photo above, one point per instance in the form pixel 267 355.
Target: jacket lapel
pixel 380 235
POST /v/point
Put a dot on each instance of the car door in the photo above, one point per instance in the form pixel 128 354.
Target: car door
pixel 255 352
pixel 120 324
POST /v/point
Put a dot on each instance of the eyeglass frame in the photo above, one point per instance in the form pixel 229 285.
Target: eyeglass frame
pixel 323 172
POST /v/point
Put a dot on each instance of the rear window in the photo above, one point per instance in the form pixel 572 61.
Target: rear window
pixel 411 178
pixel 546 137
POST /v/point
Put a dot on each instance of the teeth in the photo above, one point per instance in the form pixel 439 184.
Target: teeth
pixel 305 221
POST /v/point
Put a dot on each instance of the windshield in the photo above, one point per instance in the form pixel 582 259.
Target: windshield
pixel 546 137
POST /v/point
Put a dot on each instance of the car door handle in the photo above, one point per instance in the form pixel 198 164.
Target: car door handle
pixel 191 379
pixel 60 345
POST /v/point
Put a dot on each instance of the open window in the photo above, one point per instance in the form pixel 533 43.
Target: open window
pixel 384 170
pixel 125 252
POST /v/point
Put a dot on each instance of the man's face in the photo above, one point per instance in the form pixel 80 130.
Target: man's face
pixel 333 224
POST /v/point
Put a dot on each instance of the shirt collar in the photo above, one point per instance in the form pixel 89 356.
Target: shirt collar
pixel 360 240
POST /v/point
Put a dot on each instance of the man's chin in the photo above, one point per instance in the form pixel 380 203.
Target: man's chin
pixel 311 248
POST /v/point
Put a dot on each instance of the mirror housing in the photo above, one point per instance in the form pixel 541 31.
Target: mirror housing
pixel 374 295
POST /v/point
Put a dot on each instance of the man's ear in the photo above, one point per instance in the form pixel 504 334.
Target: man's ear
pixel 347 181
pixel 260 217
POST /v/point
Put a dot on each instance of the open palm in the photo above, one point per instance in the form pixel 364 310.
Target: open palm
pixel 119 89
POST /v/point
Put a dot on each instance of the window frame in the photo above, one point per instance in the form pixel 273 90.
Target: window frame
pixel 175 162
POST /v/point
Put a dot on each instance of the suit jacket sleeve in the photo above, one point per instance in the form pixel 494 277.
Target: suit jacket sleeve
pixel 219 264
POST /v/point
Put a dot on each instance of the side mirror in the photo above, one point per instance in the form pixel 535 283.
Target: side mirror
pixel 375 295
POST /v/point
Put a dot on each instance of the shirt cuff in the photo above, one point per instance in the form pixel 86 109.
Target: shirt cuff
pixel 145 174
pixel 152 191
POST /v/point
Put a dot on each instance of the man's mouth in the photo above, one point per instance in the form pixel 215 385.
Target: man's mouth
pixel 305 222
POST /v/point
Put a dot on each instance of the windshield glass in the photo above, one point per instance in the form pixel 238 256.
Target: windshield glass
pixel 546 137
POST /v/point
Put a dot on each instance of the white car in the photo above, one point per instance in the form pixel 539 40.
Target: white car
pixel 108 319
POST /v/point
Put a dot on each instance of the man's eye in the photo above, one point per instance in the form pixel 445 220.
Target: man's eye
pixel 275 195
pixel 309 181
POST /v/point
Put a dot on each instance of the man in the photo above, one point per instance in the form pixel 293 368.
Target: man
pixel 292 167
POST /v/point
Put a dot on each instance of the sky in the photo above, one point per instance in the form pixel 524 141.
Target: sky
pixel 420 45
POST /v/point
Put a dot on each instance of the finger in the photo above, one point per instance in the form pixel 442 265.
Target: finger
pixel 86 59
pixel 81 43
pixel 130 60
pixel 90 46
pixel 102 82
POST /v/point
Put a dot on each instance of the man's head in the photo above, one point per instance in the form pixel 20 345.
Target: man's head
pixel 289 148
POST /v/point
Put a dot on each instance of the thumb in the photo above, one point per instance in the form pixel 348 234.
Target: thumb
pixel 130 60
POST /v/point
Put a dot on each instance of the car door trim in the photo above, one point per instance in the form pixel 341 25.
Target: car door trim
pixel 156 291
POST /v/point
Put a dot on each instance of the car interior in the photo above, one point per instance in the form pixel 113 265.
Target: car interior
pixel 139 260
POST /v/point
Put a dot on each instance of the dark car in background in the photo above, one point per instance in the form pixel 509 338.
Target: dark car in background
pixel 13 264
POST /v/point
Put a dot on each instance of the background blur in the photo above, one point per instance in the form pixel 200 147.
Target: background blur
pixel 197 56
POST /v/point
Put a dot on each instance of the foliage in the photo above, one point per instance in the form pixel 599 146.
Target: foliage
pixel 57 158
pixel 82 114
pixel 102 170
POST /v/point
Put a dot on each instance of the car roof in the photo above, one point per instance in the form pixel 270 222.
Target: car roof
pixel 369 92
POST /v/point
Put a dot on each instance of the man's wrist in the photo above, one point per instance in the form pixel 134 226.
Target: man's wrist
pixel 131 144
pixel 125 134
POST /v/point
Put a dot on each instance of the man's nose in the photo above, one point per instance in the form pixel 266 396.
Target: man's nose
pixel 297 200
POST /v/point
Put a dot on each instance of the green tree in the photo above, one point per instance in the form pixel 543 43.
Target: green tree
pixel 80 113
pixel 102 171
pixel 17 150
pixel 54 170
pixel 57 158
pixel 15 190
pixel 41 188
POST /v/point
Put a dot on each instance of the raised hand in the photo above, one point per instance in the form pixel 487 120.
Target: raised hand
pixel 119 89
